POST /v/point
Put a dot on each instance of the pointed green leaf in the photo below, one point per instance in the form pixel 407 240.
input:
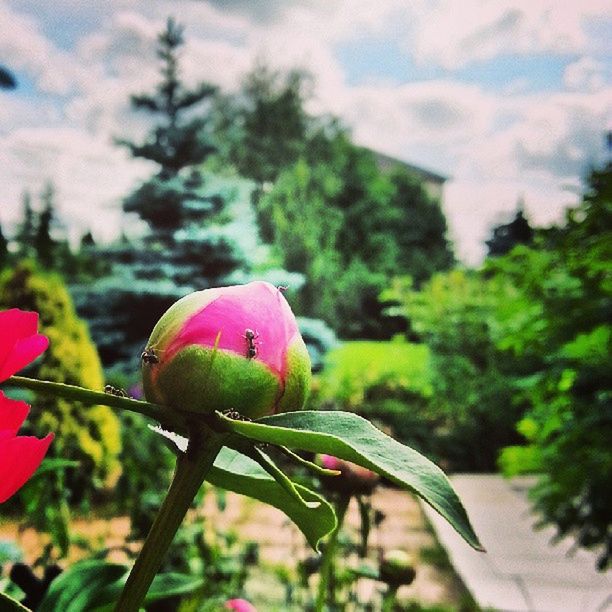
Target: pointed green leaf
pixel 238 473
pixel 8 604
pixel 77 589
pixel 350 437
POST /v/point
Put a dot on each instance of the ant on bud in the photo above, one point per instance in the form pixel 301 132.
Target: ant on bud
pixel 283 288
pixel 149 356
pixel 250 337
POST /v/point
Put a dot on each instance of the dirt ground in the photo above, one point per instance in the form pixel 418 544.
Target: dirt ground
pixel 282 546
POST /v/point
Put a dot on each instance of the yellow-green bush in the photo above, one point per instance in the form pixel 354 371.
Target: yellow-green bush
pixel 90 435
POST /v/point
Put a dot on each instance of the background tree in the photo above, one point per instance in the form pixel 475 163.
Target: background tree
pixel 26 231
pixel 44 244
pixel 4 253
pixel 559 325
pixel 177 143
pixel 184 248
pixel 507 235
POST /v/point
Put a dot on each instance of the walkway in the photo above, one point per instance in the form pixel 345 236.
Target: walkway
pixel 521 571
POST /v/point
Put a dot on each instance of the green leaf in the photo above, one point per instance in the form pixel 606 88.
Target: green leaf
pixel 95 586
pixel 166 585
pixel 77 589
pixel 238 473
pixel 350 437
pixel 8 604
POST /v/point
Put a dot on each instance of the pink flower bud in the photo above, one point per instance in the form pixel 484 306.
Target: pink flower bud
pixel 353 478
pixel 397 567
pixel 231 348
pixel 239 605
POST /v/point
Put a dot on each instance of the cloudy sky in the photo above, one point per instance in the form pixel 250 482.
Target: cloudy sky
pixel 509 98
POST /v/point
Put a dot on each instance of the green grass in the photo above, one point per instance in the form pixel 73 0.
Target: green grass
pixel 353 367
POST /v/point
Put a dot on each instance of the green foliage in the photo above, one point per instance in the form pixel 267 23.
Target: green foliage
pixel 354 368
pixel 95 586
pixel 473 409
pixel 350 437
pixel 560 327
pixel 88 435
pixel 326 206
pixel 264 128
pixel 238 473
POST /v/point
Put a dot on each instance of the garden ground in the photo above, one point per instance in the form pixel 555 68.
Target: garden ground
pixel 281 546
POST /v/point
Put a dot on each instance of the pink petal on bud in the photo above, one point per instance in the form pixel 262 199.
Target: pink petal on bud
pixel 259 307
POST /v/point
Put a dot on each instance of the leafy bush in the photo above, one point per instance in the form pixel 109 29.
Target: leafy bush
pixel 561 328
pixel 473 410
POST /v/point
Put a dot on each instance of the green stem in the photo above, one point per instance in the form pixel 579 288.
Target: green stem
pixel 389 598
pixel 169 418
pixel 327 563
pixel 191 470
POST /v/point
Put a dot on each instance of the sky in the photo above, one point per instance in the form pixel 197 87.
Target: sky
pixel 510 99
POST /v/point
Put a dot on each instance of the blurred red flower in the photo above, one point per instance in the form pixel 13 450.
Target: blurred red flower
pixel 20 456
pixel 20 343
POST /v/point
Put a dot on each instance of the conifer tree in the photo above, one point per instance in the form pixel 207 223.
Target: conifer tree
pixel 44 245
pixel 177 143
pixel 3 250
pixel 27 228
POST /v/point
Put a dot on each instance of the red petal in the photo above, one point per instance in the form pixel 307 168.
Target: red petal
pixel 19 459
pixel 12 414
pixel 24 351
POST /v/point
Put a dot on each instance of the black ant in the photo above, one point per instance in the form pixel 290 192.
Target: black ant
pixel 110 390
pixel 149 357
pixel 250 337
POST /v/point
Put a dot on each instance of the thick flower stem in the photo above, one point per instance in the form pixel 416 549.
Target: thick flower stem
pixel 327 563
pixel 191 470
pixel 93 398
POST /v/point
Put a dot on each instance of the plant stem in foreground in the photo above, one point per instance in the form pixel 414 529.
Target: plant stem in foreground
pixel 94 398
pixel 327 563
pixel 191 470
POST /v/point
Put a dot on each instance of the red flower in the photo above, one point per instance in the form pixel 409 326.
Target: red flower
pixel 19 342
pixel 20 456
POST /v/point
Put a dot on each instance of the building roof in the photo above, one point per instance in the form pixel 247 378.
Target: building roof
pixel 387 162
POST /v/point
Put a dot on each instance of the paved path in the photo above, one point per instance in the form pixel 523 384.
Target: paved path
pixel 521 571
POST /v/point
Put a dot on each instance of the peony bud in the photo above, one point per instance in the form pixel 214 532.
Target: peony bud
pixel 230 348
pixel 239 605
pixel 353 478
pixel 397 567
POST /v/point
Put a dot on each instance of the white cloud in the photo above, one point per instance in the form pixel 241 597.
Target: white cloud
pixel 496 145
pixel 91 176
pixel 452 36
pixel 24 47
pixel 585 74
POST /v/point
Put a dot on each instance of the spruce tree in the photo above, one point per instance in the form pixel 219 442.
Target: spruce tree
pixel 27 228
pixel 181 252
pixel 3 250
pixel 178 143
pixel 44 245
